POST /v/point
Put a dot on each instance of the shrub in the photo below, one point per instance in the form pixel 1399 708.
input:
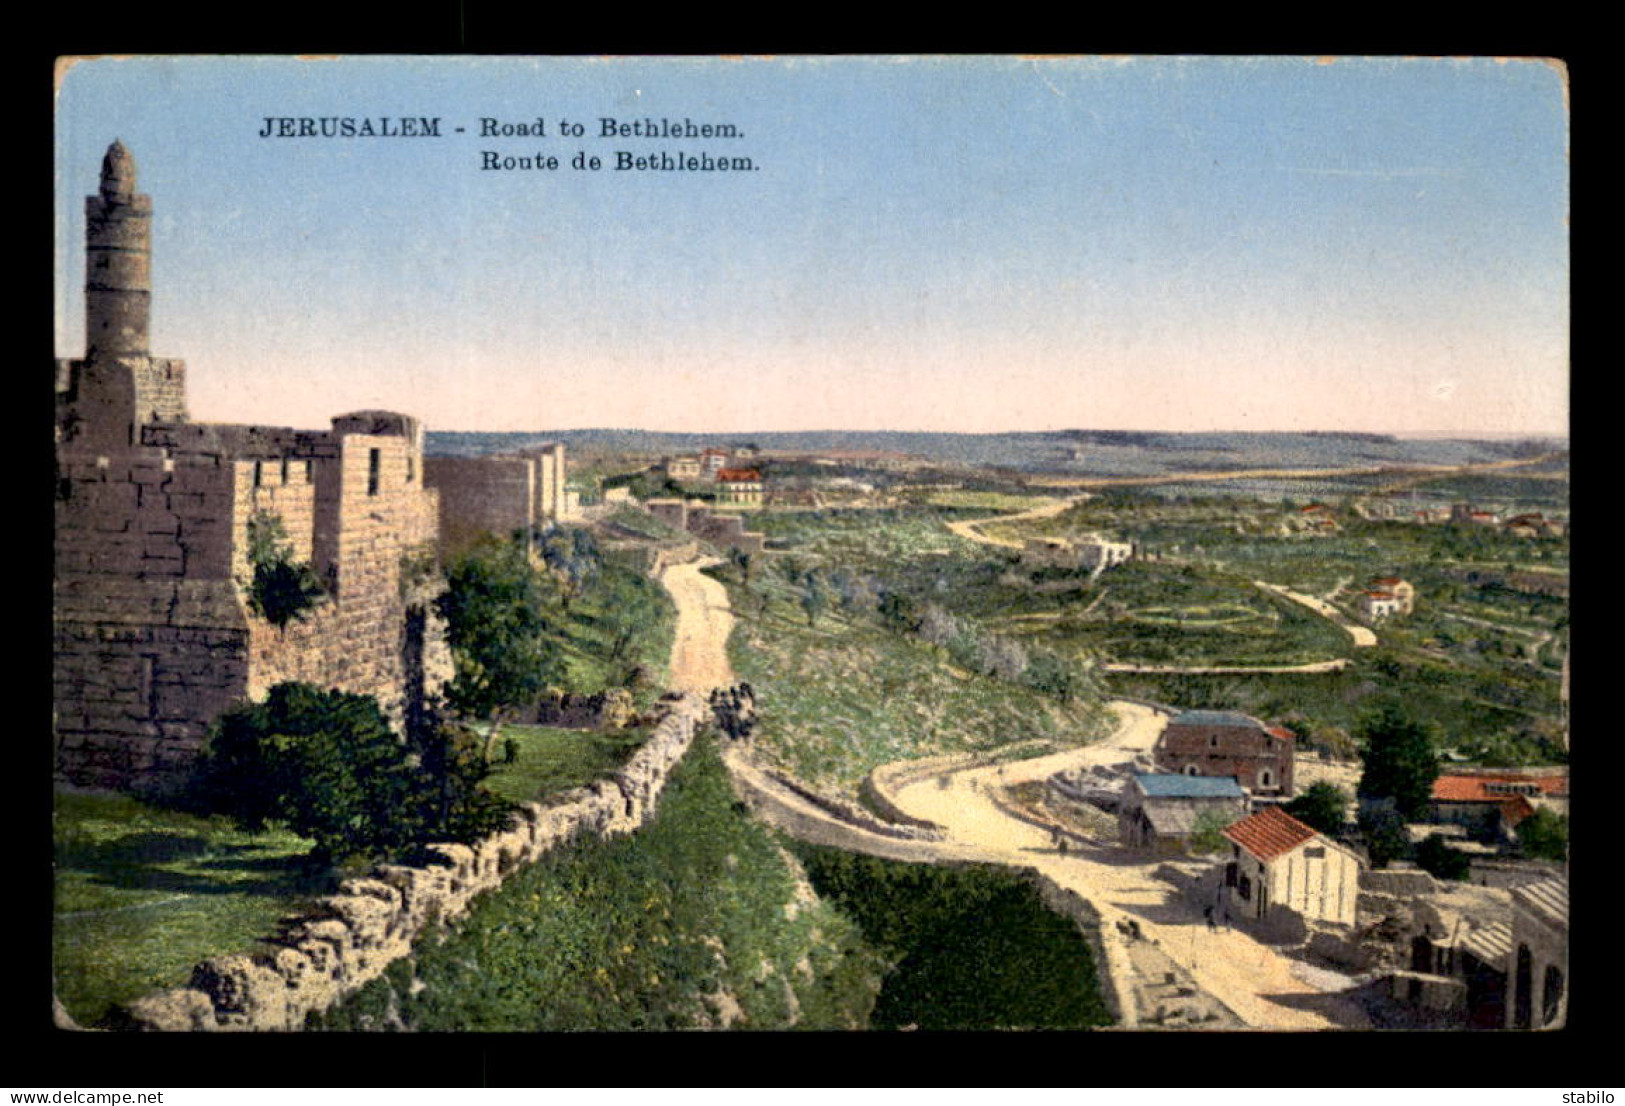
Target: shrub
pixel 1441 861
pixel 281 589
pixel 327 764
pixel 324 762
pixel 1322 807
pixel 1544 834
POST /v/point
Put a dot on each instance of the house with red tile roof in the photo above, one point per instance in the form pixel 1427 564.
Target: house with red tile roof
pixel 1400 589
pixel 739 488
pixel 1491 804
pixel 1278 863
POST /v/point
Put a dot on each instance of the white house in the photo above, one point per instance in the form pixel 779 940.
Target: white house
pixel 1277 861
pixel 1375 604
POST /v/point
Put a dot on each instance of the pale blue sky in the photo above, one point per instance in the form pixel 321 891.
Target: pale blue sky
pixel 928 244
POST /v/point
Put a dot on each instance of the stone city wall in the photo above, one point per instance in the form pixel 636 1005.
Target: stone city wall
pixel 351 937
pixel 481 495
pixel 140 668
pixel 150 633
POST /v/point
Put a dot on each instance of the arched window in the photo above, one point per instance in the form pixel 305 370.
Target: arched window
pixel 1266 778
pixel 1523 980
pixel 1190 769
pixel 1551 995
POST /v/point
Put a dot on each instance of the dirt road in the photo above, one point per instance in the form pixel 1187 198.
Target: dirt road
pixel 1252 979
pixel 699 655
pixel 1255 981
pixel 1363 637
pixel 969 528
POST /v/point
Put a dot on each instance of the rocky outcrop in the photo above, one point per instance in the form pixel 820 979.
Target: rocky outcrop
pixel 348 939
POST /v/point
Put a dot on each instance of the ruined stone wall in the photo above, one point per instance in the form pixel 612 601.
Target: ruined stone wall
pixel 350 938
pixel 483 495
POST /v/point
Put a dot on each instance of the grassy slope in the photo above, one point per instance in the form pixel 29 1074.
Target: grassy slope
pixel 143 894
pixel 649 931
pixel 552 760
pixel 846 693
pixel 971 947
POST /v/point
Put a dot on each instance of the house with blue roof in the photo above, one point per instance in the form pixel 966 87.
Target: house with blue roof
pixel 1160 811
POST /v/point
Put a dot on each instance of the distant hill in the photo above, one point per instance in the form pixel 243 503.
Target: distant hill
pixel 1068 452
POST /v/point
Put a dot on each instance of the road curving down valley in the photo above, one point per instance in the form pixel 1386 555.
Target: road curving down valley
pixel 1255 981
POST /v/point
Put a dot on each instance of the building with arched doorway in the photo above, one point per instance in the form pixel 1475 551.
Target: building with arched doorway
pixel 1537 995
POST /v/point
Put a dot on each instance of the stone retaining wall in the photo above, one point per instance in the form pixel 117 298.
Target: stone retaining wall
pixel 880 786
pixel 852 814
pixel 351 937
pixel 1113 968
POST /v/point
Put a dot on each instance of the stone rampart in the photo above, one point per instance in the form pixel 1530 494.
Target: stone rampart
pixel 483 495
pixel 351 937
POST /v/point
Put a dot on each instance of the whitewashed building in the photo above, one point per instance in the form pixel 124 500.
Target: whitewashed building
pixel 1278 862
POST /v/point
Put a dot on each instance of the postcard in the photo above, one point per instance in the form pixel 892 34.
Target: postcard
pixel 776 543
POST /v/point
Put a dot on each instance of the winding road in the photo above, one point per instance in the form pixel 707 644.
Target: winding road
pixel 699 655
pixel 1261 987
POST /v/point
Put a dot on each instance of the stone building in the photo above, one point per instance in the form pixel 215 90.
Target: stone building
pixel 1160 812
pixel 154 631
pixel 1538 959
pixel 741 488
pixel 1225 743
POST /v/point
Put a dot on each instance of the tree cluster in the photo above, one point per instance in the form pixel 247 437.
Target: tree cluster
pixel 328 765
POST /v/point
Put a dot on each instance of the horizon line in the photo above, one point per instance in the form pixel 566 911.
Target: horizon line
pixel 1440 435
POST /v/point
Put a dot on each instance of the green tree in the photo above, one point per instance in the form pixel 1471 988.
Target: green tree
pixel 452 767
pixel 1439 860
pixel 324 762
pixel 1383 831
pixel 1399 758
pixel 496 611
pixel 814 597
pixel 1323 807
pixel 1544 834
pixel 1207 834
pixel 572 556
pixel 281 589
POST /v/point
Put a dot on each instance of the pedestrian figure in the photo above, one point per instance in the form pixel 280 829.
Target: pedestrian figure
pixel 1207 912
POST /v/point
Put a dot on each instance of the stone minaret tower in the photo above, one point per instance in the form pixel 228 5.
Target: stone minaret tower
pixel 104 400
pixel 118 261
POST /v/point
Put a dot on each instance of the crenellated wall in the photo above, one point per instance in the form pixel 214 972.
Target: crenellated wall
pixel 351 937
